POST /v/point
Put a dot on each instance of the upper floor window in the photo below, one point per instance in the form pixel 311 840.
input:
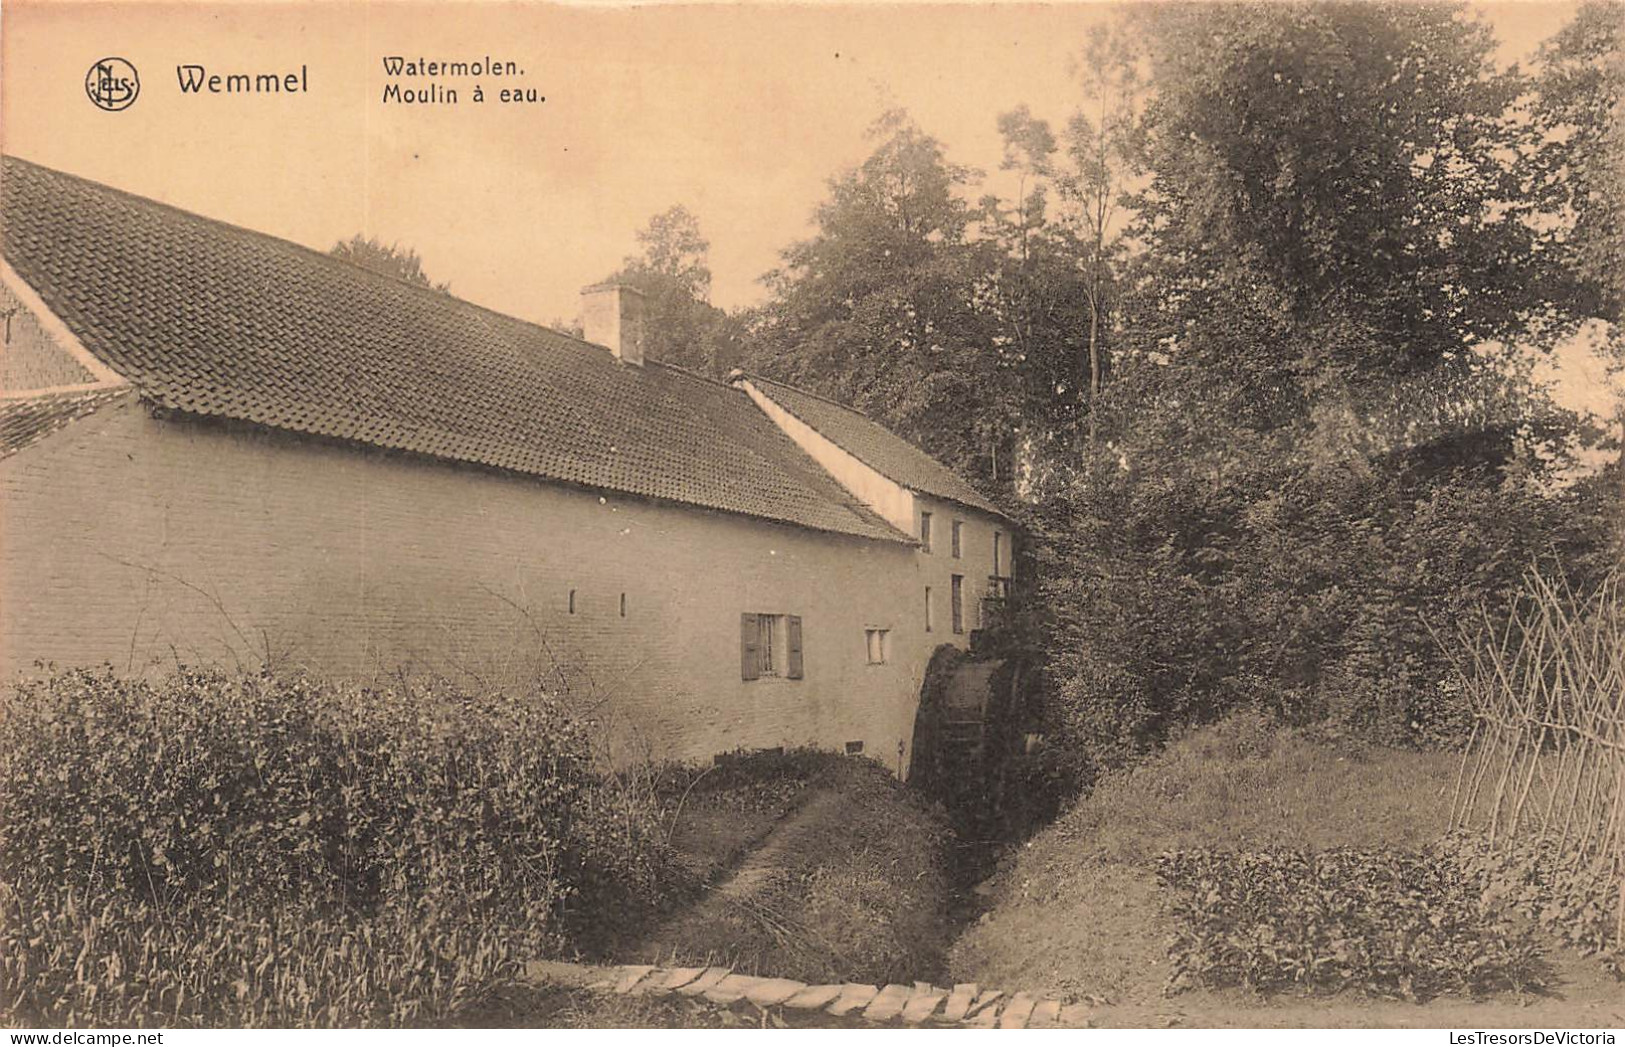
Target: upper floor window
pixel 925 532
pixel 998 554
pixel 958 528
pixel 769 645
pixel 928 608
pixel 956 604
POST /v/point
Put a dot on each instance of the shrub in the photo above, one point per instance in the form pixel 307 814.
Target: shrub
pixel 1544 780
pixel 1574 897
pixel 1385 922
pixel 247 850
pixel 1278 579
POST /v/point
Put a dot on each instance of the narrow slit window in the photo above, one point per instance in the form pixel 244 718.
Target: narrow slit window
pixel 572 601
pixel 958 529
pixel 925 532
pixel 623 605
pixel 876 641
pixel 928 608
pixel 957 603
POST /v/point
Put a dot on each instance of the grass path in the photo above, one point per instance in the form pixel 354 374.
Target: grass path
pixel 851 884
pixel 743 887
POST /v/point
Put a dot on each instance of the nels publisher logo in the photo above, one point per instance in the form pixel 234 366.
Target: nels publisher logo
pixel 112 84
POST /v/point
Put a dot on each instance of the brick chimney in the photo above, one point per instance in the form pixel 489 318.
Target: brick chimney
pixel 612 315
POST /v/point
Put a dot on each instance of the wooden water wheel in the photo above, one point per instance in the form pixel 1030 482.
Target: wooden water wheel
pixel 964 728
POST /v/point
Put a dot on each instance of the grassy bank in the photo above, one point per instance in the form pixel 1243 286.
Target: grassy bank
pixel 1078 911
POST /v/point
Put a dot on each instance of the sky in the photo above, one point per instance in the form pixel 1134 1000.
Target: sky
pixel 740 112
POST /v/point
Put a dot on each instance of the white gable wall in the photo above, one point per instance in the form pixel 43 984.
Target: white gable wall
pixel 890 500
pixel 40 355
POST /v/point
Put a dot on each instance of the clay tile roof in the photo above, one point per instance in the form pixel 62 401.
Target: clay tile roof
pixel 215 320
pixel 24 420
pixel 874 445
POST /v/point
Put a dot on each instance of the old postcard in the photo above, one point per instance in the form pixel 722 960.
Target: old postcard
pixel 850 515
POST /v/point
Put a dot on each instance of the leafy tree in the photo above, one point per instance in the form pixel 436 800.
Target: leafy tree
pixel 673 270
pixel 1104 142
pixel 1032 296
pixel 389 259
pixel 1578 158
pixel 674 247
pixel 1350 157
pixel 1312 454
pixel 879 307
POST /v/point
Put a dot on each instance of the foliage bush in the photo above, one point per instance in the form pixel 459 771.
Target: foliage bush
pixel 241 849
pixel 1574 897
pixel 1279 584
pixel 1388 923
pixel 769 781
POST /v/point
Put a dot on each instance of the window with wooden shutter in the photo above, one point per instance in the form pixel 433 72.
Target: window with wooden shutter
pixel 749 633
pixel 793 666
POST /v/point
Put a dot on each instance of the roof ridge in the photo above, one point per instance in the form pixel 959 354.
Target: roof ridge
pixel 689 373
pixel 323 256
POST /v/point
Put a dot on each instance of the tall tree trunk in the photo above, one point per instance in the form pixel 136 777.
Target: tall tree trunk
pixel 1094 360
pixel 1095 266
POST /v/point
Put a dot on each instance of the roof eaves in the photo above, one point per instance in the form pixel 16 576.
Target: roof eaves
pixel 869 527
pixel 27 419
